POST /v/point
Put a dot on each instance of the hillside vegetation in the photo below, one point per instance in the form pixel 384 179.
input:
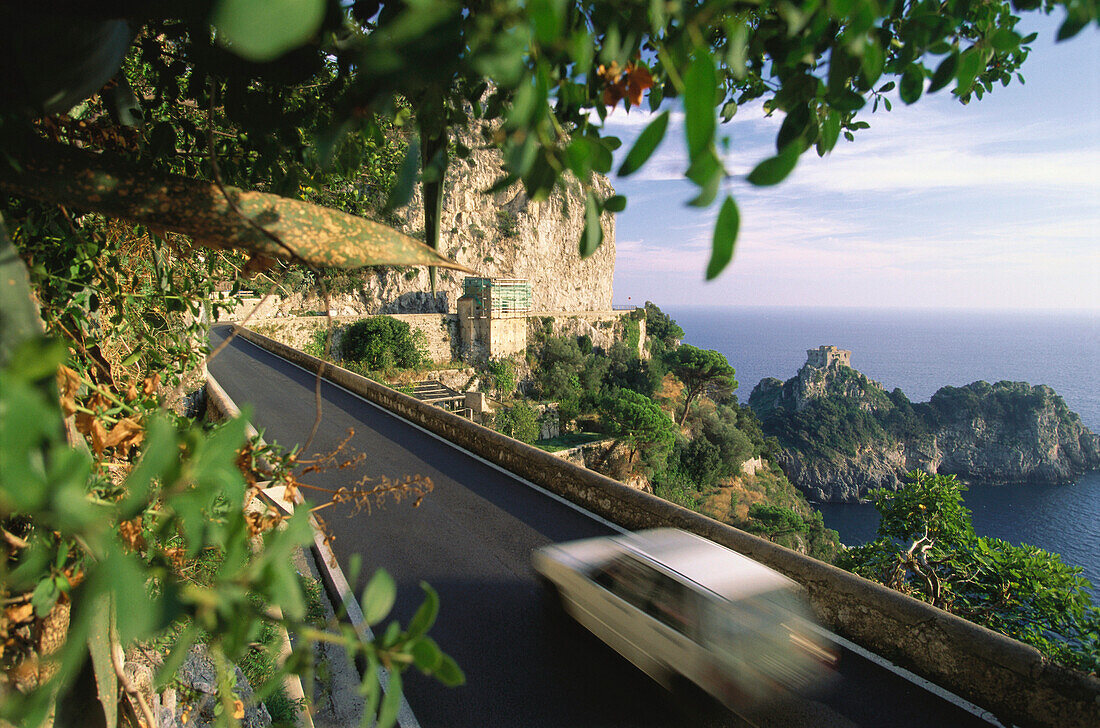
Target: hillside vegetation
pixel 690 441
pixel 843 434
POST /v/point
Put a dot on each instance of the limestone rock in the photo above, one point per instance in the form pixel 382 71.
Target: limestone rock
pixel 843 434
pixel 502 235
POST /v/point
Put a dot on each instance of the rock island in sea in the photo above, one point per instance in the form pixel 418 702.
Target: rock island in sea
pixel 842 434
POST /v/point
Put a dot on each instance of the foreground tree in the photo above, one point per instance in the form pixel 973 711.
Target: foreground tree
pixel 639 422
pixel 701 371
pixel 927 547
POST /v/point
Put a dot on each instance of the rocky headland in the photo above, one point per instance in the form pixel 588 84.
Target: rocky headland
pixel 843 434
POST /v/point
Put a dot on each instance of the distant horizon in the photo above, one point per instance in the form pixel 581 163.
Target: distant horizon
pixel 866 307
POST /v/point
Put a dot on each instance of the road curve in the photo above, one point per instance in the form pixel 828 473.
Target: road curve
pixel 471 539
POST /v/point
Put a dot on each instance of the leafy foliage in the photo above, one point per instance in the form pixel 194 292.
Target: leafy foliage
pixel 382 343
pixel 639 422
pixel 701 370
pixel 520 421
pixel 663 332
pixel 502 374
pixel 82 540
pixel 301 105
pixel 927 547
pixel 626 370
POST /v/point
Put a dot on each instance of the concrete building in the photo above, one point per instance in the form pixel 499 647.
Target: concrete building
pixel 492 316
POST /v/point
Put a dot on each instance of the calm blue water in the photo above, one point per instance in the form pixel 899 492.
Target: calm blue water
pixel 919 352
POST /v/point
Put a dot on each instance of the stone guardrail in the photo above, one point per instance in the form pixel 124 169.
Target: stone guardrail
pixel 1010 679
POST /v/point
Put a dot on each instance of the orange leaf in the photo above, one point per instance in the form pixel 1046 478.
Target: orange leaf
pixel 68 384
pixel 99 436
pixel 84 422
pixel 638 79
pixel 124 435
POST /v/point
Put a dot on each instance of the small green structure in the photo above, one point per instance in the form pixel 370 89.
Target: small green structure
pixel 498 297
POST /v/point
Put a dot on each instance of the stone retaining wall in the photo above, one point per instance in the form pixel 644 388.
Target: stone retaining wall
pixel 1002 675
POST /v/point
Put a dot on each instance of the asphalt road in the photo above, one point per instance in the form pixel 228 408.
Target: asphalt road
pixel 471 539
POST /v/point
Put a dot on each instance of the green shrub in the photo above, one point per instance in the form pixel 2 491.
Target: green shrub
pixel 507 223
pixel 520 421
pixel 383 343
pixel 676 488
pixel 316 344
pixel 502 374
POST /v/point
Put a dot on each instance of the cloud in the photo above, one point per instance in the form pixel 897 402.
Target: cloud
pixel 909 150
pixel 989 205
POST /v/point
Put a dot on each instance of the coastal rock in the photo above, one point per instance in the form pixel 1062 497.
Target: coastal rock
pixel 842 434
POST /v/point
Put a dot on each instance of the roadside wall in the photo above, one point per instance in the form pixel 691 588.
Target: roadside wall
pixel 997 673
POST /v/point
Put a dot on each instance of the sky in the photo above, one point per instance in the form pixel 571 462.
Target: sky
pixel 993 205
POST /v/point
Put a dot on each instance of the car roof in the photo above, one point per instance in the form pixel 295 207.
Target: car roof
pixel 718 569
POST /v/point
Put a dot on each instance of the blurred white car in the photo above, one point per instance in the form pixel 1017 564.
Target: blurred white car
pixel 678 605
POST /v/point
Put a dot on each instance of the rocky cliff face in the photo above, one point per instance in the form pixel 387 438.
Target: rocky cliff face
pixel 843 434
pixel 502 235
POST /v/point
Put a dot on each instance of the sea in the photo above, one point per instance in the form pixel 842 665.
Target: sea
pixel 920 351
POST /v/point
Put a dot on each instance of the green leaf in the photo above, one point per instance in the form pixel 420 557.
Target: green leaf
pixel 706 172
pixel 646 143
pixel 830 132
pixel 615 203
pixel 794 126
pixel 371 689
pixel 262 30
pixel 700 87
pixel 944 73
pixel 402 190
pixel 99 649
pixel 137 612
pixel 775 169
pixel 912 83
pixel 725 236
pixel 426 654
pixel 131 358
pixel 872 63
pixel 1004 40
pixel 449 673
pixel 592 235
pixel 849 100
pixel 392 635
pixel 970 63
pixel 391 702
pixel 378 597
pixel 425 615
pixel 1075 21
pixel 44 597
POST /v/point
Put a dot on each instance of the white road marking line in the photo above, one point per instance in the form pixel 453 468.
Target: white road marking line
pixel 912 677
